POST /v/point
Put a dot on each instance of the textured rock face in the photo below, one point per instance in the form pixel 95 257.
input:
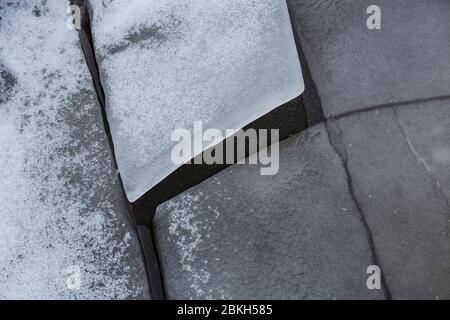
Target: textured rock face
pixel 399 161
pixel 296 235
pixel 427 126
pixel 166 64
pixel 61 203
pixel 304 232
pixel 356 68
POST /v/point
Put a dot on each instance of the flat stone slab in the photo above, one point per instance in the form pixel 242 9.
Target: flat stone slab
pixel 399 163
pixel 355 68
pixel 294 235
pixel 62 213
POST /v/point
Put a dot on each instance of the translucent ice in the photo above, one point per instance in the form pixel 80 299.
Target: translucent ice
pixel 168 63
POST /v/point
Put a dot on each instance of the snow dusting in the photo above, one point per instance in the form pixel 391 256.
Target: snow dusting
pixel 60 204
pixel 185 231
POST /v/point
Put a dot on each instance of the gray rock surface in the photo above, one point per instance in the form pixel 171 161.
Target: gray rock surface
pixel 62 207
pixel 299 235
pixel 295 235
pixel 427 126
pixel 356 68
pixel 399 163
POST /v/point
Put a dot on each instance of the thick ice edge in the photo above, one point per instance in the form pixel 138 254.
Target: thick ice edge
pixel 166 64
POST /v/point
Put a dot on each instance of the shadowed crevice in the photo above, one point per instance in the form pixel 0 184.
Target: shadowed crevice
pixel 144 235
pixel 310 97
pixel 289 118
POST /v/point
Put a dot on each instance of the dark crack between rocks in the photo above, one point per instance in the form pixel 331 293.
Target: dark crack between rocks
pixel 335 137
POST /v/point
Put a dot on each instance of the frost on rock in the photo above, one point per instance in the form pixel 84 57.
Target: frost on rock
pixel 185 232
pixel 59 202
pixel 166 64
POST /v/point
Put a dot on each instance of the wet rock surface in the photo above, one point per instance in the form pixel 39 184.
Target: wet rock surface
pixel 63 215
pixel 295 235
pixel 356 68
pixel 379 193
pixel 398 159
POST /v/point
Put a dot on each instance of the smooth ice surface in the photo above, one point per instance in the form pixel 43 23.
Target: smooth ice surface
pixel 60 205
pixel 166 64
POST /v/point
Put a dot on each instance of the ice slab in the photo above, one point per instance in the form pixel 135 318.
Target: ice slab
pixel 166 64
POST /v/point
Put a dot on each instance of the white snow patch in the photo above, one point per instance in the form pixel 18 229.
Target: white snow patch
pixel 53 169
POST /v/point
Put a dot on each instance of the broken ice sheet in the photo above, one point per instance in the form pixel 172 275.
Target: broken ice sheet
pixel 165 64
